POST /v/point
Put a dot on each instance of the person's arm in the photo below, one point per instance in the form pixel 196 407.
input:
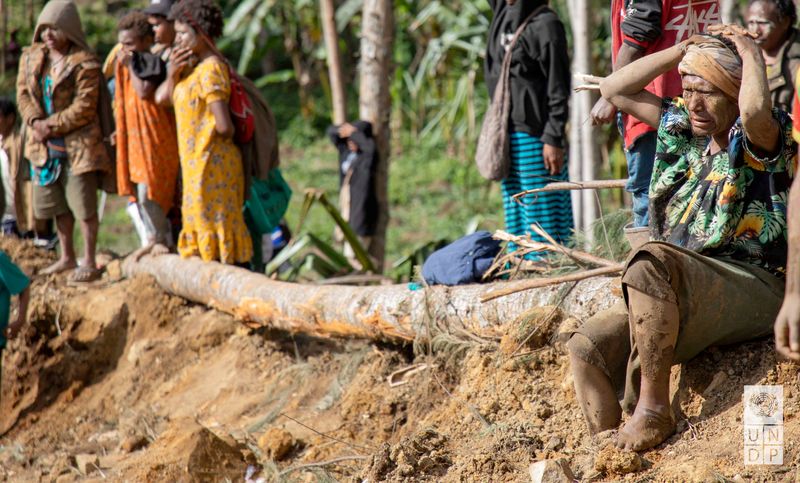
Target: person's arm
pixel 640 28
pixel 222 118
pixel 29 108
pixel 555 62
pixel 755 102
pixel 144 89
pixel 178 62
pixel 83 108
pixel 625 87
pixel 787 324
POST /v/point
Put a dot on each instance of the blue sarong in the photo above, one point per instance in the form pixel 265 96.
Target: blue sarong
pixel 551 210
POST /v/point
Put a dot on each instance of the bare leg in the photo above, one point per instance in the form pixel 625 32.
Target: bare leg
pixel 654 324
pixel 65 225
pixel 593 389
pixel 89 229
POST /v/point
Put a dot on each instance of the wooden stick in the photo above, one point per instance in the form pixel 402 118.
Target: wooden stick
pixel 544 282
pixel 575 185
pixel 334 461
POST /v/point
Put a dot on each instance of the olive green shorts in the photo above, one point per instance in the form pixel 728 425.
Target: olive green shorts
pixel 720 301
pixel 70 193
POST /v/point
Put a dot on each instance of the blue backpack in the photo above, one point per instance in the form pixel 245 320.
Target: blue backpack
pixel 463 261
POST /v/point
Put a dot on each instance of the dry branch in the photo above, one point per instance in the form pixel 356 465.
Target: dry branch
pixel 544 282
pixel 555 247
pixel 574 185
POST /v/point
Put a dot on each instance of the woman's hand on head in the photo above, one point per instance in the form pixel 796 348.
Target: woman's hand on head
pixel 741 37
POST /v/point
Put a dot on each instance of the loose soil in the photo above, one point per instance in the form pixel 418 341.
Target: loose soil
pixel 123 382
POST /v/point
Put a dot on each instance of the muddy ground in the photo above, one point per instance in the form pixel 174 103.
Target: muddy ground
pixel 123 382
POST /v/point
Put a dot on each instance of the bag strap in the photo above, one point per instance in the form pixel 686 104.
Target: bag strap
pixel 522 26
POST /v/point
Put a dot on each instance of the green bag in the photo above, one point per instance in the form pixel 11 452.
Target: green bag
pixel 267 202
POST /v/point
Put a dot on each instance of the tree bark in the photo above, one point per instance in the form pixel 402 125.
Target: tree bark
pixel 388 312
pixel 375 104
pixel 584 149
pixel 338 98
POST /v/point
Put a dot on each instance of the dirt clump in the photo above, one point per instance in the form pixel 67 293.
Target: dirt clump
pixel 276 443
pixel 423 455
pixel 613 461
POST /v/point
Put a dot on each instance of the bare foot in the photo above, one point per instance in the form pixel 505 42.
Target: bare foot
pixel 60 266
pixel 153 249
pixel 159 249
pixel 646 429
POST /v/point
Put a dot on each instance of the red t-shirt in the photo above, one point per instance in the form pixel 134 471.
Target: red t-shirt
pixel 676 26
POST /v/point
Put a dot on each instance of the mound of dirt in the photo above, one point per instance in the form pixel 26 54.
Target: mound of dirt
pixel 124 382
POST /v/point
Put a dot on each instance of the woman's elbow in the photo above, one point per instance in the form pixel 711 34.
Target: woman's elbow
pixel 607 90
pixel 225 129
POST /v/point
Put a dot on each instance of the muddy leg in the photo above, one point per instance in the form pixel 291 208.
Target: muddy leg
pixel 654 324
pixel 593 388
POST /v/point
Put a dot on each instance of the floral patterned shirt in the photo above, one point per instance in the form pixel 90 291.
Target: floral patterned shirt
pixel 730 204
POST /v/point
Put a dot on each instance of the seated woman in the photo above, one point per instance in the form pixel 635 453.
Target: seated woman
pixel 714 274
pixel 198 85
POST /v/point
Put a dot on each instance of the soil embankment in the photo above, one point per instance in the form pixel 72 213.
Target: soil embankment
pixel 127 383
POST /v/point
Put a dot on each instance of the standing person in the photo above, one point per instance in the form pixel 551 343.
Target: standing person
pixel 199 88
pixel 59 96
pixel 18 216
pixel 358 159
pixel 774 23
pixel 163 28
pixel 724 164
pixel 9 158
pixel 539 87
pixel 147 139
pixel 639 28
pixel 787 324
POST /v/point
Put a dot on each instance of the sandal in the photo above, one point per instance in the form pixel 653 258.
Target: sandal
pixel 84 274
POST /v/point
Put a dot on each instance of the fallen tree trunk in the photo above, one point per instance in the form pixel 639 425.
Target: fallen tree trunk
pixel 387 312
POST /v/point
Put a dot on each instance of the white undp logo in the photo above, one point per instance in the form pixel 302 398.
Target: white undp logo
pixel 763 425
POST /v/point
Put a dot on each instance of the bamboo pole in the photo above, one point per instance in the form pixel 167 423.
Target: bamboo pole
pixel 390 312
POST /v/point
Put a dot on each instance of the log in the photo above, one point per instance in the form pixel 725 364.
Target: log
pixel 394 313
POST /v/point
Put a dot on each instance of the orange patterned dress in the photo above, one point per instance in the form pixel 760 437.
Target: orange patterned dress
pixel 147 144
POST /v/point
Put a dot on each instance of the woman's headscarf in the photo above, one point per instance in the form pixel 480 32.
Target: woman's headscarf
pixel 62 14
pixel 716 63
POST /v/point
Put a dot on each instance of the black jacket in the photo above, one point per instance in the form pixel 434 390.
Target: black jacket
pixel 363 214
pixel 540 75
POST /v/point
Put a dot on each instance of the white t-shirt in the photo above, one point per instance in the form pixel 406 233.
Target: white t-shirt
pixel 5 172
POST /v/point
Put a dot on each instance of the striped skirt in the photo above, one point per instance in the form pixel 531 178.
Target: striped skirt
pixel 552 210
